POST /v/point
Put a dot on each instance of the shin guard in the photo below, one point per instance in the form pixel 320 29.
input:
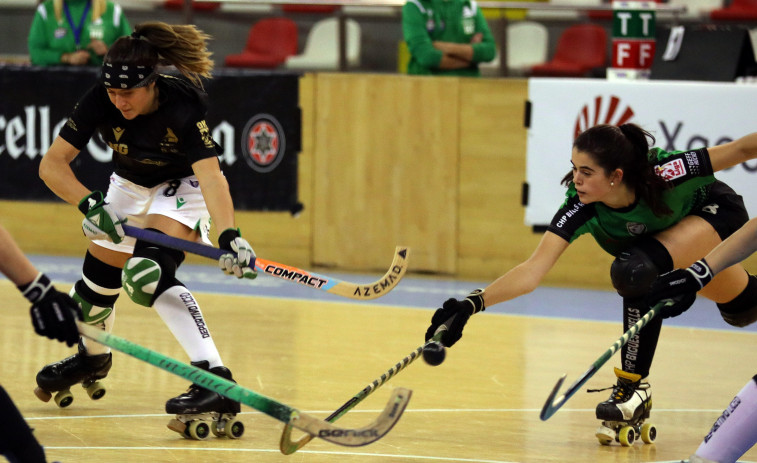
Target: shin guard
pixel 97 293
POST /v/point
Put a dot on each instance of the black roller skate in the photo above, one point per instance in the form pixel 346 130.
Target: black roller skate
pixel 624 413
pixel 198 406
pixel 78 368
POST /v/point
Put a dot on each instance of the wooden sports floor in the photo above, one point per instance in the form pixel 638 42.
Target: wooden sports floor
pixel 481 405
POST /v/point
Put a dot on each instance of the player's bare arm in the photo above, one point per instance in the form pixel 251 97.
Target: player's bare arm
pixel 739 246
pixel 55 170
pixel 215 190
pixel 733 153
pixel 525 277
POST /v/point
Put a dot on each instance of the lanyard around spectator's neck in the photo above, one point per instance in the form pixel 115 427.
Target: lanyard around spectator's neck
pixel 77 29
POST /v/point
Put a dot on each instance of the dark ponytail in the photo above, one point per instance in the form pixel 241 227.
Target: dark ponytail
pixel 154 43
pixel 626 148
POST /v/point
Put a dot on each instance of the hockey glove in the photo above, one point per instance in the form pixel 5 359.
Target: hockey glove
pixel 237 261
pixel 680 286
pixel 100 220
pixel 53 313
pixel 462 309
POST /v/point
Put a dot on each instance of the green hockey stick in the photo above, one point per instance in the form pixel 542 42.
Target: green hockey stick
pixel 288 447
pixel 553 404
pixel 289 416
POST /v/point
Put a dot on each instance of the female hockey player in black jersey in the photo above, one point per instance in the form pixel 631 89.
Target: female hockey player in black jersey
pixel 653 210
pixel 167 178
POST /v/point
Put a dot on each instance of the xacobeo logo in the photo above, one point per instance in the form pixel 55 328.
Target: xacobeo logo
pixel 603 110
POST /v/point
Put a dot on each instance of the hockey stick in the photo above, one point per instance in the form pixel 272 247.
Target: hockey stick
pixel 552 405
pixel 288 447
pixel 286 272
pixel 290 416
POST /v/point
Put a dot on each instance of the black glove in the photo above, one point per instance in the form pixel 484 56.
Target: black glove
pixel 462 309
pixel 53 313
pixel 680 286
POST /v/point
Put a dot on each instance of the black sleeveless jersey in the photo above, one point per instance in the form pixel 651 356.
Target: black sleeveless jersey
pixel 152 148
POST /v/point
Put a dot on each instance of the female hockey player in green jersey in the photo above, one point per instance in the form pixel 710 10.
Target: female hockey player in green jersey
pixel 651 209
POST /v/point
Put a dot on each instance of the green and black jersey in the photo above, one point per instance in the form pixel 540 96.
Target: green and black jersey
pixel 690 174
pixel 153 148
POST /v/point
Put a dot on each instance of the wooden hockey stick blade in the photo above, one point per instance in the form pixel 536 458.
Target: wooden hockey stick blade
pixel 331 285
pixel 554 403
pixel 356 437
pixel 288 447
pixel 277 410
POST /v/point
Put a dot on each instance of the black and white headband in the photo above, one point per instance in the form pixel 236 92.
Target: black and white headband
pixel 123 76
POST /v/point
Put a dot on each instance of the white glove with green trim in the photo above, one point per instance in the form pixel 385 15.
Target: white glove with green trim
pixel 100 220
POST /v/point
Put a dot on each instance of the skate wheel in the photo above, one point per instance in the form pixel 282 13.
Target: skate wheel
pixel 217 429
pixel 626 436
pixel 648 433
pixel 198 430
pixel 64 398
pixel 42 394
pixel 234 429
pixel 95 391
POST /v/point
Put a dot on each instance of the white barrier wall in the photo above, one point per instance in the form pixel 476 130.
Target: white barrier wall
pixel 681 116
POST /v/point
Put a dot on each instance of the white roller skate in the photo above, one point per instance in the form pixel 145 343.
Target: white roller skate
pixel 200 412
pixel 624 413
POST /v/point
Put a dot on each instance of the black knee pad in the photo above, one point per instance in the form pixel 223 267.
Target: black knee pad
pixel 634 270
pixel 742 311
pixel 100 282
pixel 155 266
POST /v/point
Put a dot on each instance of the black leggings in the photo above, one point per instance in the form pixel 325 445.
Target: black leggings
pixel 17 443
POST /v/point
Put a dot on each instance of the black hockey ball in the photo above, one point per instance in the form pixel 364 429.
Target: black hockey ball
pixel 434 354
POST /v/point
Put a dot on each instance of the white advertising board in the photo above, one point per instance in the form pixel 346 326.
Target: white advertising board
pixel 681 116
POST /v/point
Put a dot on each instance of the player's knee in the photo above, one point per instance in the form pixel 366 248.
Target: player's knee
pixel 633 271
pixel 97 291
pixel 149 272
pixel 742 311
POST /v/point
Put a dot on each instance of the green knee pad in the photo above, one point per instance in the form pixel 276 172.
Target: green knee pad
pixel 92 314
pixel 140 279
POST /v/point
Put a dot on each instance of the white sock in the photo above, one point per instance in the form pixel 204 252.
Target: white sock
pixel 181 313
pixel 93 347
pixel 735 431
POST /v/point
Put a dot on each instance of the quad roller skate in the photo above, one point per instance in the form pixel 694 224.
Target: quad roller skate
pixel 624 413
pixel 200 411
pixel 78 368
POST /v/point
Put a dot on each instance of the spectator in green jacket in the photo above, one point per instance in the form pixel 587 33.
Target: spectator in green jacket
pixel 446 37
pixel 75 32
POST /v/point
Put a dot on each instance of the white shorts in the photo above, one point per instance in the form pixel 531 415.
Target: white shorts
pixel 180 200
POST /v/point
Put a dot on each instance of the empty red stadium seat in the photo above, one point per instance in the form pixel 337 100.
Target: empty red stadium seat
pixel 269 43
pixel 581 49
